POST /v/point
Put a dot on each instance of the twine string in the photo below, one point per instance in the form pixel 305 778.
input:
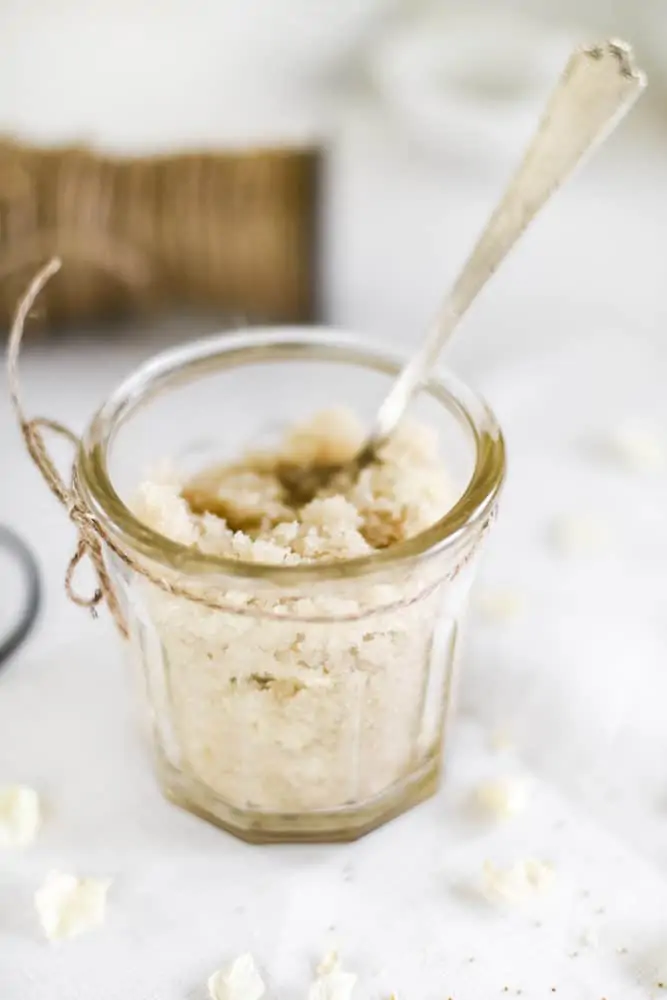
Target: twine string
pixel 89 543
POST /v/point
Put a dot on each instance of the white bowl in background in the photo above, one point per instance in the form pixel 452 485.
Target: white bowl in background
pixel 472 85
pixel 146 77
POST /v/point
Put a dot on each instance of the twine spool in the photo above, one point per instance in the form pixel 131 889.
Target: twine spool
pixel 233 231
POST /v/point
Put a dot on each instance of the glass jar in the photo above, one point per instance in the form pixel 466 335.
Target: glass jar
pixel 298 703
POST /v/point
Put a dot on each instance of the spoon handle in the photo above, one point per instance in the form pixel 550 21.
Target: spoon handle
pixel 598 86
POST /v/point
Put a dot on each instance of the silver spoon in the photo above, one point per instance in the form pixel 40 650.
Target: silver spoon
pixel 599 85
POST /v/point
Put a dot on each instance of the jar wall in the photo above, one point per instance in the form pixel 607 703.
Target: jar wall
pixel 284 727
pixel 308 710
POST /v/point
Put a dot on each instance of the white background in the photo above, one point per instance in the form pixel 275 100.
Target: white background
pixel 567 343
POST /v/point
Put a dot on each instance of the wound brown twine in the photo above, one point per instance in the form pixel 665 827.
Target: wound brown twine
pixel 232 231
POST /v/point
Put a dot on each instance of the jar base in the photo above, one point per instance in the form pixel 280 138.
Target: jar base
pixel 344 824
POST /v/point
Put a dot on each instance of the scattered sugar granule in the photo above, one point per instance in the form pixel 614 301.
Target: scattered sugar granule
pixel 578 534
pixel 499 606
pixel 501 739
pixel 68 906
pixel 328 963
pixel 517 883
pixel 589 938
pixel 240 980
pixel 540 875
pixel 20 816
pixel 501 798
pixel 637 446
pixel 331 982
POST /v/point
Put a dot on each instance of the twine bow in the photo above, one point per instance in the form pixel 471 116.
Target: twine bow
pixel 89 530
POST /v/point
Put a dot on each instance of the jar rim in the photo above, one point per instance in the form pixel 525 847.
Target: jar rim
pixel 224 350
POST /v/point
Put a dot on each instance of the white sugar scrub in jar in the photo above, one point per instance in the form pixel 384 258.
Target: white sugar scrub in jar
pixel 299 660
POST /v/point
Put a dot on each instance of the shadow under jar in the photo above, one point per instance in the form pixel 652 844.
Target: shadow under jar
pixel 289 703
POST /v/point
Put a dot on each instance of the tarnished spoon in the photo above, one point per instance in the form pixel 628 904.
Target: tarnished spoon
pixel 599 85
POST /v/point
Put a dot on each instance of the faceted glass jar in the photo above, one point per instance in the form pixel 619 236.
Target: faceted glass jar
pixel 312 702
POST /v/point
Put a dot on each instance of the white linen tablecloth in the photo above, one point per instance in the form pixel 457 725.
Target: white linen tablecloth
pixel 577 680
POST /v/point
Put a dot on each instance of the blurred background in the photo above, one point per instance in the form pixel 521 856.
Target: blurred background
pixel 233 162
pixel 415 111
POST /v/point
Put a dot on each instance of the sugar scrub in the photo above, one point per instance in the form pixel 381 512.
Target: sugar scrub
pixel 239 511
pixel 315 695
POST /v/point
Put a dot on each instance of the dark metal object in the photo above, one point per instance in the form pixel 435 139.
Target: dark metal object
pixel 10 542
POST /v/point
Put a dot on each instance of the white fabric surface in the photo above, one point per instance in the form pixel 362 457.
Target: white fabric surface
pixel 578 678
